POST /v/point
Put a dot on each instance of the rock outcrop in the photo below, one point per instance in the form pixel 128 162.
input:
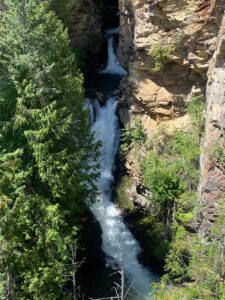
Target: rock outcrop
pixel 181 37
pixel 212 182
pixel 86 27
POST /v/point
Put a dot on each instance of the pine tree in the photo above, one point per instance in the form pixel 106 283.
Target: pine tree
pixel 47 152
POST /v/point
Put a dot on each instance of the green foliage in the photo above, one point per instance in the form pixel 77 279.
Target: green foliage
pixel 196 111
pixel 162 292
pixel 196 263
pixel 169 174
pixel 206 267
pixel 161 178
pixel 157 241
pixel 184 147
pixel 46 149
pixel 122 194
pixel 137 134
pixel 185 205
pixel 220 155
pixel 63 8
pixel 176 263
pixel 161 54
pixel 178 256
pixel 132 135
pixel 35 253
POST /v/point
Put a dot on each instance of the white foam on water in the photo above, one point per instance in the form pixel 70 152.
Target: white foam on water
pixel 113 65
pixel 115 236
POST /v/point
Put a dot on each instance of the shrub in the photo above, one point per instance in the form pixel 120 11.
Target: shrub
pixel 196 111
pixel 169 173
pixel 157 240
pixel 161 54
pixel 132 135
pixel 185 208
pixel 161 178
pixel 205 269
pixel 122 193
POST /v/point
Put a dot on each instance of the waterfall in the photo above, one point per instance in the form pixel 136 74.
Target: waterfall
pixel 111 31
pixel 116 238
pixel 113 66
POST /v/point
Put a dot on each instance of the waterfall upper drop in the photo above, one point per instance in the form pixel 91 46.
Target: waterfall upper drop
pixel 113 65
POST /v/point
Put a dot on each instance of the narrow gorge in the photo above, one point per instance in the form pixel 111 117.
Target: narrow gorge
pixel 112 150
pixel 120 247
pixel 167 50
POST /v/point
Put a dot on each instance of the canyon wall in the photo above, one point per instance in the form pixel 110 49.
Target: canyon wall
pixel 192 35
pixel 190 38
pixel 212 182
pixel 184 34
pixel 86 27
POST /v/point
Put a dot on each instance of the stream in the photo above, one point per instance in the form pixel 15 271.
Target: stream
pixel 118 243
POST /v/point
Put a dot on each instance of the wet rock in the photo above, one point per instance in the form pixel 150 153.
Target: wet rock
pixel 101 98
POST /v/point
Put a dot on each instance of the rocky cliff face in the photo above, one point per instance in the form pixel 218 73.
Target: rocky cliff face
pixel 212 182
pixel 192 33
pixel 86 26
pixel 181 36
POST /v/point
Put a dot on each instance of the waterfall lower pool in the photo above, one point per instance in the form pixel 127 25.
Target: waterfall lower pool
pixel 118 243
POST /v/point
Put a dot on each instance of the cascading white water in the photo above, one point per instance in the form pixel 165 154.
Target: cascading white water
pixel 111 31
pixel 115 236
pixel 113 65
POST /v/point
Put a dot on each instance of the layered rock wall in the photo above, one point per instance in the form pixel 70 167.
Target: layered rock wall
pixel 212 182
pixel 189 28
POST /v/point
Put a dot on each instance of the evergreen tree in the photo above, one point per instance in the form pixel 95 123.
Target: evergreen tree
pixel 47 152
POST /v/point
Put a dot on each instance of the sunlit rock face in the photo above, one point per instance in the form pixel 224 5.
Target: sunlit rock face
pixel 212 182
pixel 190 28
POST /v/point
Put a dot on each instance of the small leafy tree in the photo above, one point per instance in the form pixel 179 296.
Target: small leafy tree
pixel 132 135
pixel 161 178
pixel 161 54
pixel 175 170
